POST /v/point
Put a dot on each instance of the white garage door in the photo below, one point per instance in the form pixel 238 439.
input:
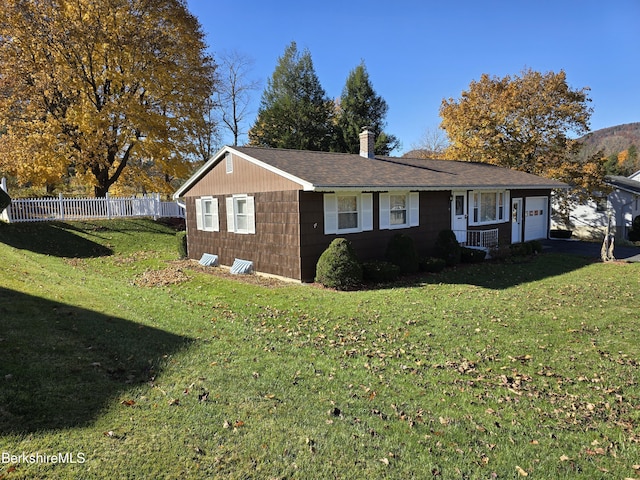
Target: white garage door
pixel 536 218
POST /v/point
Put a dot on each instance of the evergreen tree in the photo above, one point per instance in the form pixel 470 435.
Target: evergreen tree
pixel 631 162
pixel 611 165
pixel 294 110
pixel 360 106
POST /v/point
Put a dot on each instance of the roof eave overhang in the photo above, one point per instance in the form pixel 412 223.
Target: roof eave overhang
pixel 201 172
pixel 424 188
pixel 624 186
pixel 625 189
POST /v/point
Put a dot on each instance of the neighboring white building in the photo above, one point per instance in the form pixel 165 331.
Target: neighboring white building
pixel 618 209
pixel 625 201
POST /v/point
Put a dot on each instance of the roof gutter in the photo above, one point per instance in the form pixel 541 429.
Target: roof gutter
pixel 422 188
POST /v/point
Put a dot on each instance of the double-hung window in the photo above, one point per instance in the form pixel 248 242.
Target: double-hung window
pixel 241 214
pixel 489 207
pixel 348 212
pixel 399 210
pixel 207 218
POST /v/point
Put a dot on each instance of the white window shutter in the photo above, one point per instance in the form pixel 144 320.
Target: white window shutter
pixel 251 215
pixel 199 223
pixel 385 205
pixel 366 201
pixel 231 224
pixel 507 206
pixel 414 209
pixel 216 216
pixel 330 213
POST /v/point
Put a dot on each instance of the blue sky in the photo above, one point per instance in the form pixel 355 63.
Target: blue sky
pixel 419 52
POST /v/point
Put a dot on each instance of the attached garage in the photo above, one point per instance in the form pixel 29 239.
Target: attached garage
pixel 536 218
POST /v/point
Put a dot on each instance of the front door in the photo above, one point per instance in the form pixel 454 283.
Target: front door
pixel 459 215
pixel 516 220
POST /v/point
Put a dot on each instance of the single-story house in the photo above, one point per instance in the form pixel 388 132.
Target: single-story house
pixel 280 209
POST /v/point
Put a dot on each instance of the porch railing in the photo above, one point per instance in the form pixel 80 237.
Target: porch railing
pixel 484 239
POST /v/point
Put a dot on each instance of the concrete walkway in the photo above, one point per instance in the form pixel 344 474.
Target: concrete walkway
pixel 590 249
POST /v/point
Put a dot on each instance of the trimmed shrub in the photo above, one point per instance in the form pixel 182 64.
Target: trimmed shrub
pixel 338 266
pixel 379 271
pixel 432 264
pixel 634 233
pixel 448 248
pixel 401 252
pixel 502 252
pixel 531 247
pixel 536 246
pixel 5 200
pixel 472 255
pixel 521 249
pixel 181 238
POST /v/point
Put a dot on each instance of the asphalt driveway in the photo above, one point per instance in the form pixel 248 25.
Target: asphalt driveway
pixel 590 249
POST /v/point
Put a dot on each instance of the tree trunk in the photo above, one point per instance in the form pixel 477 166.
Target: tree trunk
pixel 100 191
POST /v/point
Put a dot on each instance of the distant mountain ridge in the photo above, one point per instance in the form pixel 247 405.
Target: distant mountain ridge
pixel 613 139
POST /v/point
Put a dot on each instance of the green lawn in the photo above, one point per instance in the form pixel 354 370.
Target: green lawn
pixel 133 365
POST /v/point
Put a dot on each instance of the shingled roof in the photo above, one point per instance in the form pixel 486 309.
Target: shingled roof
pixel 324 171
pixel 624 183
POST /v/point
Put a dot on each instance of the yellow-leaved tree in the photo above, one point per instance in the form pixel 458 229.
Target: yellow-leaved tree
pixel 524 122
pixel 92 87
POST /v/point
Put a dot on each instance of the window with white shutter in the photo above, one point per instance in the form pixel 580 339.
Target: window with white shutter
pixel 207 214
pixel 348 212
pixel 241 215
pixel 399 210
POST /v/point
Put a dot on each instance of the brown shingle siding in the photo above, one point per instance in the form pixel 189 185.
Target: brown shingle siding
pixel 274 248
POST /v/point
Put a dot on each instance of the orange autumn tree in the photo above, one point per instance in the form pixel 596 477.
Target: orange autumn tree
pixel 92 87
pixel 525 123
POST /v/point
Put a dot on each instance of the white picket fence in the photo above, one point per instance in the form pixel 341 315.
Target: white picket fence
pixel 61 209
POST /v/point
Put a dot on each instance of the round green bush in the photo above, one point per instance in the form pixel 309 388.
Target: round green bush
pixel 520 249
pixel 401 252
pixel 181 238
pixel 526 248
pixel 379 271
pixel 448 248
pixel 472 255
pixel 536 246
pixel 338 266
pixel 432 264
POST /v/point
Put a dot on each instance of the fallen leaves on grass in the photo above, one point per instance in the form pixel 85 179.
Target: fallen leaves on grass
pixel 161 278
pixel 223 272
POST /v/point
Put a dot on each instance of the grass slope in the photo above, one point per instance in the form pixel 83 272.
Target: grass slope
pixel 489 371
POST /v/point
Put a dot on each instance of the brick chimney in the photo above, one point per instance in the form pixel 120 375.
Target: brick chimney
pixel 367 143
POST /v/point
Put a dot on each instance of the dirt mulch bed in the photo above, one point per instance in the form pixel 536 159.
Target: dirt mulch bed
pixel 177 270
